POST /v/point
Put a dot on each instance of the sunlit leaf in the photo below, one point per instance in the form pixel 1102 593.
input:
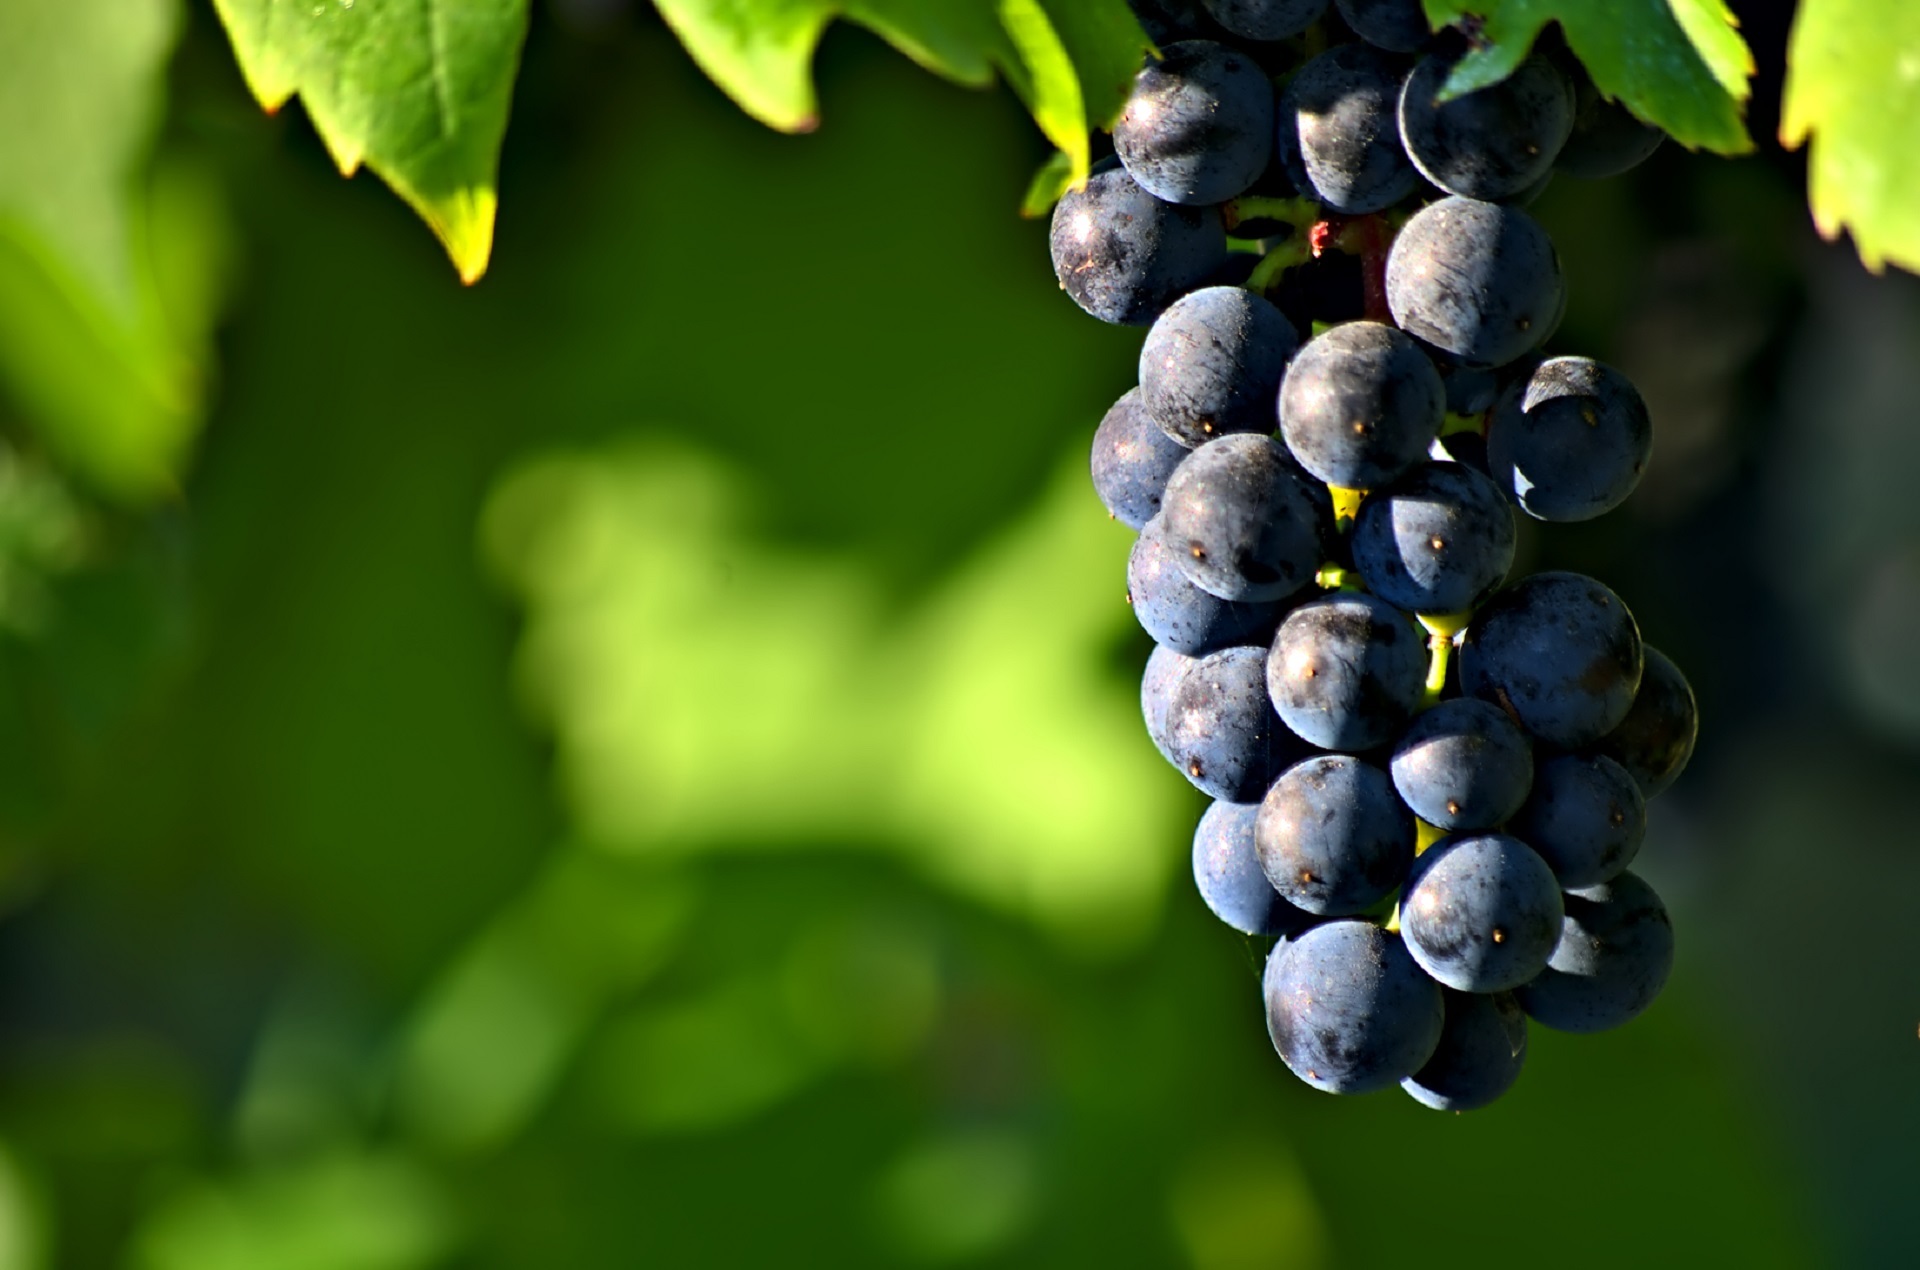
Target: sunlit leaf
pixel 1070 61
pixel 1680 64
pixel 1054 179
pixel 1853 88
pixel 415 90
pixel 1107 46
pixel 1051 86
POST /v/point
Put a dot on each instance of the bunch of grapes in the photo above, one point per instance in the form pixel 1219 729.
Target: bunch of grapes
pixel 1429 779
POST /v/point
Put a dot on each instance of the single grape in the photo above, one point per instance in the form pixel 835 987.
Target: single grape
pixel 1265 19
pixel 1228 875
pixel 1463 766
pixel 1470 390
pixel 1132 459
pixel 1399 26
pixel 1339 136
pixel 1656 738
pixel 1124 255
pixel 1163 671
pixel 1611 962
pixel 1222 729
pixel 1480 281
pixel 1247 522
pixel 1559 653
pixel 1585 817
pixel 1483 1045
pixel 1331 837
pixel 1481 913
pixel 1166 21
pixel 1178 614
pixel 1570 441
pixel 1438 540
pixel 1198 126
pixel 1212 363
pixel 1347 671
pixel 1492 143
pixel 1348 1010
pixel 1606 139
pixel 1360 405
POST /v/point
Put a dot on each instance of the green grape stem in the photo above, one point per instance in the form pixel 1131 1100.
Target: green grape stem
pixel 1301 213
pixel 1440 645
pixel 1289 254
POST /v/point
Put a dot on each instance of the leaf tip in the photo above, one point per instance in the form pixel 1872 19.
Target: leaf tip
pixel 463 222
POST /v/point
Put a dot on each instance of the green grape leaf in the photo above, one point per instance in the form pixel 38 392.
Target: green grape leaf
pixel 1678 64
pixel 416 90
pixel 760 52
pixel 1070 61
pixel 1106 44
pixel 1049 183
pixel 1051 87
pixel 1853 88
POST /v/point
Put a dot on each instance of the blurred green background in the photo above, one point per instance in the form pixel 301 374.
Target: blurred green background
pixel 638 763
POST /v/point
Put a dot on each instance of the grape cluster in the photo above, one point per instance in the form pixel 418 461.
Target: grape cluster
pixel 1430 778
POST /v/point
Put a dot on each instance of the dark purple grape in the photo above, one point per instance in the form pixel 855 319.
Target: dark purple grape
pixel 1470 391
pixel 1482 1048
pixel 1212 363
pixel 1360 405
pixel 1178 614
pixel 1198 126
pixel 1348 1010
pixel 1166 21
pixel 1559 653
pixel 1399 26
pixel 1463 766
pixel 1222 729
pixel 1247 522
pixel 1656 738
pixel 1157 681
pixel 1339 135
pixel 1228 875
pixel 1438 540
pixel 1492 143
pixel 1347 671
pixel 1265 19
pixel 1124 255
pixel 1132 459
pixel 1570 441
pixel 1332 837
pixel 1585 817
pixel 1613 958
pixel 1480 281
pixel 1606 139
pixel 1481 913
